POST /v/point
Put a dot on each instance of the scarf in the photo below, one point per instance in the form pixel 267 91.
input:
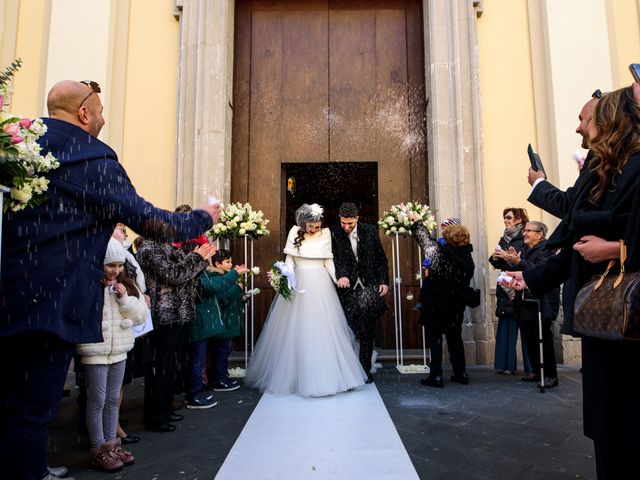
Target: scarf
pixel 512 232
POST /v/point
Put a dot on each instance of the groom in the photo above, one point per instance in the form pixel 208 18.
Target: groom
pixel 363 278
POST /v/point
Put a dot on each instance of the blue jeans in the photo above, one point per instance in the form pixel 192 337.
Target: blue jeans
pixel 197 357
pixel 506 341
pixel 220 349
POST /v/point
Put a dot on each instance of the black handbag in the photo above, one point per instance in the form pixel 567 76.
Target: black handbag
pixel 471 296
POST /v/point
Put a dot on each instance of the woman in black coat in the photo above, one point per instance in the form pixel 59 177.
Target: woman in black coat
pixel 527 305
pixel 446 278
pixel 589 238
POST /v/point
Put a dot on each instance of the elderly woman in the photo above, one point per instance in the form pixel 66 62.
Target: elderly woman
pixel 448 275
pixel 511 242
pixel 535 253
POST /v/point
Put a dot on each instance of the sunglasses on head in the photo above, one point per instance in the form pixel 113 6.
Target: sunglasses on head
pixel 596 94
pixel 95 88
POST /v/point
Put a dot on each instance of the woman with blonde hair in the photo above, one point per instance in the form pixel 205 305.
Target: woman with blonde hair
pixel 447 272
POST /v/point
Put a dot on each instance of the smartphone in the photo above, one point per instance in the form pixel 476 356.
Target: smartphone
pixel 534 158
pixel 635 71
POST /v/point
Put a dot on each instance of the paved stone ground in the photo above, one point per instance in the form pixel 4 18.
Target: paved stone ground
pixel 495 428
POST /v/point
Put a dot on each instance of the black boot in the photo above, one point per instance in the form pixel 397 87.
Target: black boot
pixel 433 382
pixel 463 379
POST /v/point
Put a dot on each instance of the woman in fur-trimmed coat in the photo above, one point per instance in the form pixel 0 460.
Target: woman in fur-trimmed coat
pixel 171 276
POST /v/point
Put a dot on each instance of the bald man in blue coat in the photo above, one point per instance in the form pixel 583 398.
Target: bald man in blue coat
pixel 51 295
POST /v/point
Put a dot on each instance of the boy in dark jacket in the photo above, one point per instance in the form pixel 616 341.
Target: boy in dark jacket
pixel 208 323
pixel 231 301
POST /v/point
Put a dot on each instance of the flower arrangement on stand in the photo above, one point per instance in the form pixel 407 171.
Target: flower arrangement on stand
pixel 396 221
pixel 21 164
pixel 239 220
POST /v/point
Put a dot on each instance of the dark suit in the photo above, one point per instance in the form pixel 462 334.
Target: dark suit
pixel 362 305
pixel 555 201
pixel 611 377
pixel 51 294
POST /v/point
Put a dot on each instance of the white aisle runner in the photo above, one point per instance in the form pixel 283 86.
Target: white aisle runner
pixel 347 436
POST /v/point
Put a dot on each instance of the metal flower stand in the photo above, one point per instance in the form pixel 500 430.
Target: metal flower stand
pixel 3 190
pixel 249 309
pixel 397 310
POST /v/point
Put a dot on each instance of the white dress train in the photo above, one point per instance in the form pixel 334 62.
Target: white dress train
pixel 306 346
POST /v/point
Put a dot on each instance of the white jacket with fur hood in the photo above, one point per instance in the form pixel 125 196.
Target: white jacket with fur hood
pixel 118 316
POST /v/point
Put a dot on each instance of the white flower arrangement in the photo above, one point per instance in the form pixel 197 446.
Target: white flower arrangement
pixel 255 271
pixel 239 220
pixel 396 221
pixel 21 164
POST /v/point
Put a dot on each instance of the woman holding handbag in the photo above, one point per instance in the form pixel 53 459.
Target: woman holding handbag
pixel 589 237
pixel 448 271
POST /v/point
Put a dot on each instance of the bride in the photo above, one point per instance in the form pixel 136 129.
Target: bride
pixel 306 346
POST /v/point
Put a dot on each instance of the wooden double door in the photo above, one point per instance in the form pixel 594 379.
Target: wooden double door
pixel 329 83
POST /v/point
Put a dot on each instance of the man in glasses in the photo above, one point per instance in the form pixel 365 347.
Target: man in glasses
pixel 51 295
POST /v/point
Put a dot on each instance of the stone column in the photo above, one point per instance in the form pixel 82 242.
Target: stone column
pixel 454 135
pixel 204 100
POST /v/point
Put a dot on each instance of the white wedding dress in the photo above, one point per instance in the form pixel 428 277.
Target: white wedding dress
pixel 306 346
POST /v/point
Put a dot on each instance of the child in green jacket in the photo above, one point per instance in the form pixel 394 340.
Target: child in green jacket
pixel 209 321
pixel 231 301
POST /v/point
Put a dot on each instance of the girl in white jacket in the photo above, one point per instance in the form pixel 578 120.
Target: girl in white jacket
pixel 124 307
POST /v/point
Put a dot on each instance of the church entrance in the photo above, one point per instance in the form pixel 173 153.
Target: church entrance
pixel 329 93
pixel 330 184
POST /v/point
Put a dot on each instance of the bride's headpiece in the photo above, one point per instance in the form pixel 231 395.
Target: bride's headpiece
pixel 309 214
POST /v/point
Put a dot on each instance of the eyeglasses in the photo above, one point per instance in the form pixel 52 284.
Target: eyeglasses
pixel 95 88
pixel 596 94
pixel 509 217
pixel 531 230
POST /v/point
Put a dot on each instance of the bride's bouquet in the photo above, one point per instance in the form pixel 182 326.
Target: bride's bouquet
pixel 396 221
pixel 21 164
pixel 283 280
pixel 239 220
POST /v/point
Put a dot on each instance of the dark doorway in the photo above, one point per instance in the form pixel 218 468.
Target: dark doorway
pixel 329 184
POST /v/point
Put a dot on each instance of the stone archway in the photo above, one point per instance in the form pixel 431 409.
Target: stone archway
pixel 453 122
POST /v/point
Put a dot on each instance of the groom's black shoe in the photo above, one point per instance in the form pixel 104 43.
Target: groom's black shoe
pixel 369 378
pixel 433 382
pixel 463 379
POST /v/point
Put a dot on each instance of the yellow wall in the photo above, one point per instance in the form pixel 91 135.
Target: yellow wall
pixel 624 37
pixel 560 51
pixel 31 40
pixel 508 113
pixel 149 147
